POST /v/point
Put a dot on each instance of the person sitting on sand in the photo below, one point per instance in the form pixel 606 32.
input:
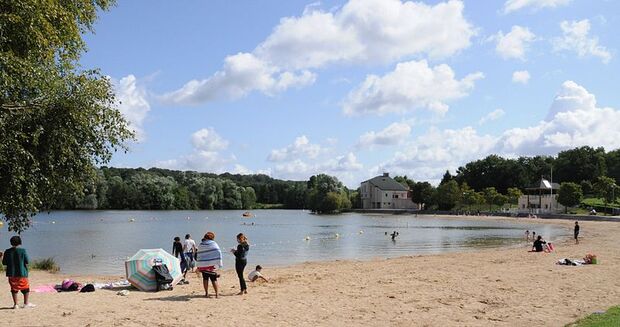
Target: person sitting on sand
pixel 538 244
pixel 208 260
pixel 256 275
pixel 16 261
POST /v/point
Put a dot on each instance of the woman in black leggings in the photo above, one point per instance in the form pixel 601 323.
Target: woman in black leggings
pixel 241 260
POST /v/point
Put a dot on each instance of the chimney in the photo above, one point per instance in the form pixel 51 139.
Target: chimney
pixel 386 174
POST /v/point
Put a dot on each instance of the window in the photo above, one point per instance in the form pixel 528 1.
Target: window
pixel 386 195
pixel 395 196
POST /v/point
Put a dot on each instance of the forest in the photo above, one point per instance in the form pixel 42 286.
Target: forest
pixel 493 180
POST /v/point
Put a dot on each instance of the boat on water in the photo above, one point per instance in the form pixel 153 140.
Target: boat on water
pixel 247 214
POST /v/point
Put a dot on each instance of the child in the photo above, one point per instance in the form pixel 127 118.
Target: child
pixel 255 275
pixel 16 261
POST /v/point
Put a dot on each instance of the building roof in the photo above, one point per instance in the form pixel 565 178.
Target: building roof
pixel 387 183
pixel 544 184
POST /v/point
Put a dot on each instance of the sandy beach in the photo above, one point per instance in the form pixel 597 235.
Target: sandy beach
pixel 505 287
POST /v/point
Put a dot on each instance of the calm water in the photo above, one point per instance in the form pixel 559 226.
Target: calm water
pixel 98 242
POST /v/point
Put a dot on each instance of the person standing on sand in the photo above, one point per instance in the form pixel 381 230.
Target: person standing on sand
pixel 189 251
pixel 208 260
pixel 16 261
pixel 527 235
pixel 177 252
pixel 241 260
pixel 576 232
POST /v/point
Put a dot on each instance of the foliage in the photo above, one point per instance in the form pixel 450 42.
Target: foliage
pixel 605 187
pixel 56 121
pixel 570 194
pixel 48 264
pixel 447 195
pixel 579 164
pixel 607 319
pixel 513 195
pixel 422 193
pixel 326 194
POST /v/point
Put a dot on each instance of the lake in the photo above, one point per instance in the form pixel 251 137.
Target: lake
pixel 98 242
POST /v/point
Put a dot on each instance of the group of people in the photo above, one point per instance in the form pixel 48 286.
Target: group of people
pixel 206 259
pixel 541 245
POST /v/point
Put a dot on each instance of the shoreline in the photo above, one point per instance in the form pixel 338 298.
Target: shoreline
pixel 477 288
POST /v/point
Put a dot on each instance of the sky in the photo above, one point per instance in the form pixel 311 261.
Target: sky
pixel 360 87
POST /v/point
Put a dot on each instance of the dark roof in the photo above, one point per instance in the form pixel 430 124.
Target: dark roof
pixel 387 183
pixel 544 184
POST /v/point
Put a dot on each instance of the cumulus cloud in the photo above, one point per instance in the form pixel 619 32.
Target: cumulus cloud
pixel 208 139
pixel 133 103
pixel 491 116
pixel 521 76
pixel 574 119
pixel 411 85
pixel 344 167
pixel 242 73
pixel 301 148
pixel 576 38
pixel 206 155
pixel 395 133
pixel 362 31
pixel 515 43
pixel 514 5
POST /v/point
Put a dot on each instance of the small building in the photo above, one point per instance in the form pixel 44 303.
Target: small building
pixel 383 192
pixel 541 198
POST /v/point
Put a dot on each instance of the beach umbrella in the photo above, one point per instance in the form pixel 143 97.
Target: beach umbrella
pixel 139 268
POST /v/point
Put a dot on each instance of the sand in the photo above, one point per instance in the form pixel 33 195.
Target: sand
pixel 506 287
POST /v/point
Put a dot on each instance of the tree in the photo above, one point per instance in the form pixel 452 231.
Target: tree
pixel 56 121
pixel 327 194
pixel 605 187
pixel 446 177
pixel 576 165
pixel 513 195
pixel 447 195
pixel 490 195
pixel 569 195
pixel 422 193
pixel 248 198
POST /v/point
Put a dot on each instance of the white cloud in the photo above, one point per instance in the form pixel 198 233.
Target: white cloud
pixel 491 116
pixel 393 134
pixel 300 149
pixel 574 120
pixel 344 167
pixel 362 31
pixel 428 156
pixel 242 73
pixel 411 85
pixel 208 139
pixel 521 76
pixel 515 43
pixel 514 5
pixel 576 38
pixel 133 103
pixel 206 155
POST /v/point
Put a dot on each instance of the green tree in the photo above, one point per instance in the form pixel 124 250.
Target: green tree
pixel 490 195
pixel 248 198
pixel 513 195
pixel 327 194
pixel 447 195
pixel 576 165
pixel 606 188
pixel 569 195
pixel 422 193
pixel 56 121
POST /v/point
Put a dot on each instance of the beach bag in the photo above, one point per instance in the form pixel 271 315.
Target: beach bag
pixel 88 288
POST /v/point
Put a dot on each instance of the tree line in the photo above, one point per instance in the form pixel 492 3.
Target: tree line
pixel 494 180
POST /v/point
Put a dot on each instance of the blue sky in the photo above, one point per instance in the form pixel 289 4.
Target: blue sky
pixel 355 88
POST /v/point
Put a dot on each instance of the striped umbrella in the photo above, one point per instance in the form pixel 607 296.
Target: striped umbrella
pixel 139 268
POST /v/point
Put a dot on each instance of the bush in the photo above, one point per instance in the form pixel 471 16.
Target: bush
pixel 48 264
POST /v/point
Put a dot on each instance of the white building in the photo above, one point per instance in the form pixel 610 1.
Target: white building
pixel 383 192
pixel 541 198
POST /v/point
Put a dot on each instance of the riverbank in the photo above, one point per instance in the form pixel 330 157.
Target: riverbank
pixel 487 287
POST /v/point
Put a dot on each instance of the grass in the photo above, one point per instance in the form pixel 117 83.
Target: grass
pixel 609 318
pixel 48 264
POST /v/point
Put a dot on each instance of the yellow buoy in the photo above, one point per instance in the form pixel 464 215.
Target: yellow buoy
pixel 307 238
pixel 361 232
pixel 337 235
